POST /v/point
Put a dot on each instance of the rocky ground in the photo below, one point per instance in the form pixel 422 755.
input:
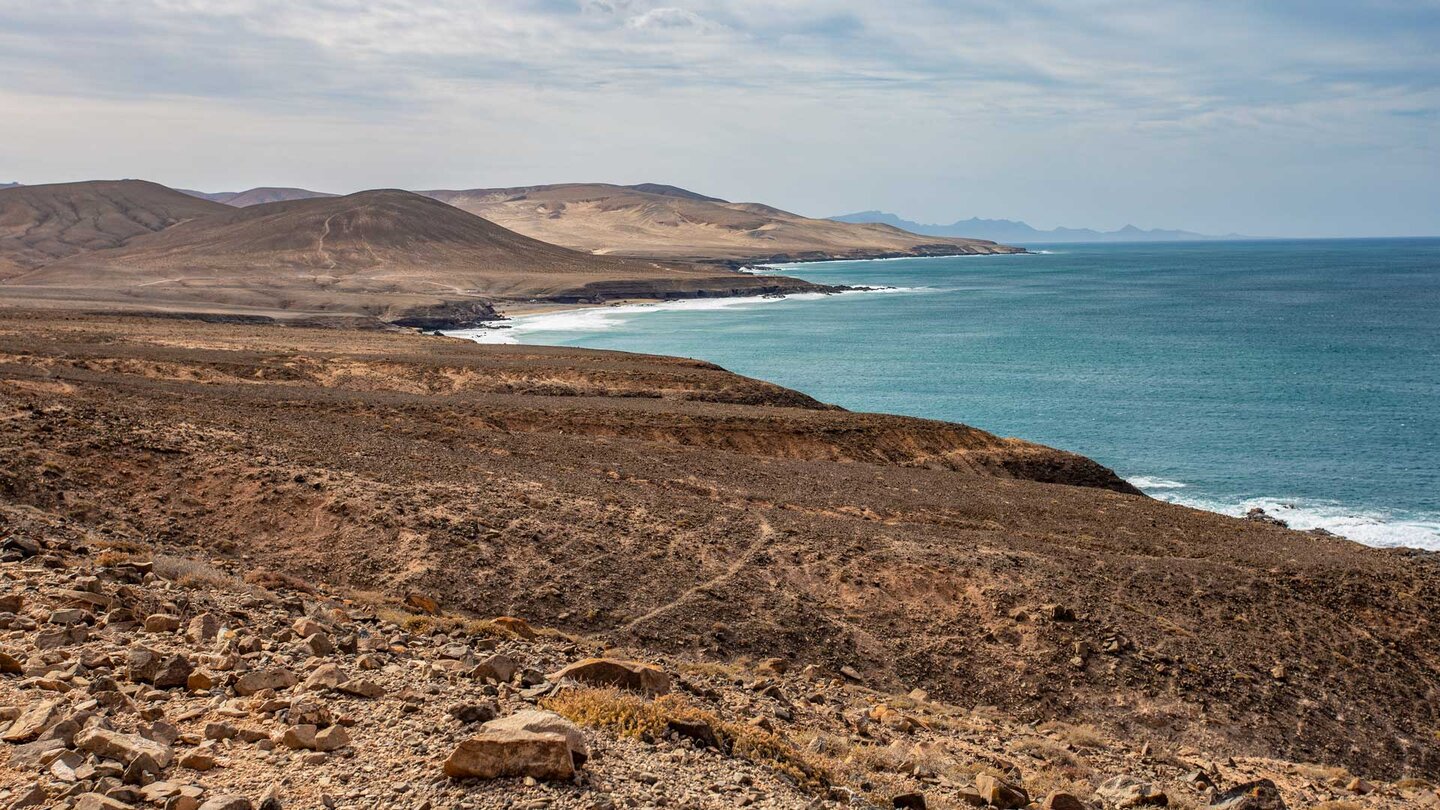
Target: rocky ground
pixel 135 678
pixel 845 606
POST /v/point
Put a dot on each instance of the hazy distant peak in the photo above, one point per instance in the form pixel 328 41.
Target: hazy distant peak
pixel 1010 230
pixel 257 196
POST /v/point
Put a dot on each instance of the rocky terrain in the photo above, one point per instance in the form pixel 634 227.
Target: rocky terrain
pixel 848 609
pixel 663 222
pixel 136 678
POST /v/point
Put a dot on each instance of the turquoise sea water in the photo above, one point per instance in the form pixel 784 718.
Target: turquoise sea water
pixel 1300 376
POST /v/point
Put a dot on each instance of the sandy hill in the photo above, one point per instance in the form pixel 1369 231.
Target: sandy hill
pixel 384 253
pixel 650 220
pixel 257 196
pixel 42 224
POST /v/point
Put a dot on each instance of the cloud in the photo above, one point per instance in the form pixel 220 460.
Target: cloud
pixel 935 94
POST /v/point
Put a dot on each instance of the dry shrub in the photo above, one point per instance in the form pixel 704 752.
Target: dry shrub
pixel 134 548
pixel 1338 804
pixel 106 559
pixel 1085 737
pixel 1317 772
pixel 630 715
pixel 196 575
pixel 275 580
pixel 714 669
pixel 1047 751
pixel 423 624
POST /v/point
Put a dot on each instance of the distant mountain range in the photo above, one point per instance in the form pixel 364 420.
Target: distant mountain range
pixel 1012 231
pixel 257 196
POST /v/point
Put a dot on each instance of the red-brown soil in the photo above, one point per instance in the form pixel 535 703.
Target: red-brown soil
pixel 668 505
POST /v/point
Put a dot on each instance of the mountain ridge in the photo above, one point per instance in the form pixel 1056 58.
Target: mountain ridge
pixel 387 253
pixel 1010 230
pixel 257 196
pixel 43 224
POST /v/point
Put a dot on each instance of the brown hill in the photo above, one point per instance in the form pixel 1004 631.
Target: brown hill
pixel 650 220
pixel 258 196
pixel 391 254
pixel 669 506
pixel 42 224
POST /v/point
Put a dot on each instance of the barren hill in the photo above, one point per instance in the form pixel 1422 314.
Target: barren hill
pixel 391 254
pixel 650 220
pixel 670 507
pixel 258 196
pixel 42 224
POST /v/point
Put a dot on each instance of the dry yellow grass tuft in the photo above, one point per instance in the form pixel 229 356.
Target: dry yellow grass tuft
pixel 108 558
pixel 630 715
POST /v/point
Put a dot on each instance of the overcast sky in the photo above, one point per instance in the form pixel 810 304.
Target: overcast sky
pixel 1315 117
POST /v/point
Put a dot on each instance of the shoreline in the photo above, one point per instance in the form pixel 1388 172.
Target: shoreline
pixel 1370 525
pixel 528 312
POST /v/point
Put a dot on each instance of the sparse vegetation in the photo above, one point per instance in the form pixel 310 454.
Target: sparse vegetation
pixel 276 580
pixel 197 575
pixel 630 715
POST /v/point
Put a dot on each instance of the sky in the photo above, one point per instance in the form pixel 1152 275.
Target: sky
pixel 1313 118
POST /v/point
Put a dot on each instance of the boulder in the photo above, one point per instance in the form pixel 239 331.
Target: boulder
pixel 126 748
pixel 259 679
pixel 1126 791
pixel 1261 794
pixel 508 753
pixel 198 759
pixel 299 736
pixel 10 665
pixel 541 722
pixel 909 801
pixel 203 628
pixel 33 721
pixel 773 666
pixel 332 739
pixel 1060 800
pixel 326 676
pixel 473 712
pixel 361 687
pixel 68 616
pixel 698 730
pixel 306 626
pixel 999 793
pixel 161 623
pixel 635 676
pixel 422 603
pixel 498 667
pixel 162 671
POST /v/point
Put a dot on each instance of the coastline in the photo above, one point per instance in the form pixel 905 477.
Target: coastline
pixel 526 316
pixel 1376 523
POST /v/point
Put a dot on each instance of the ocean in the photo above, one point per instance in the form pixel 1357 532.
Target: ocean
pixel 1300 376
